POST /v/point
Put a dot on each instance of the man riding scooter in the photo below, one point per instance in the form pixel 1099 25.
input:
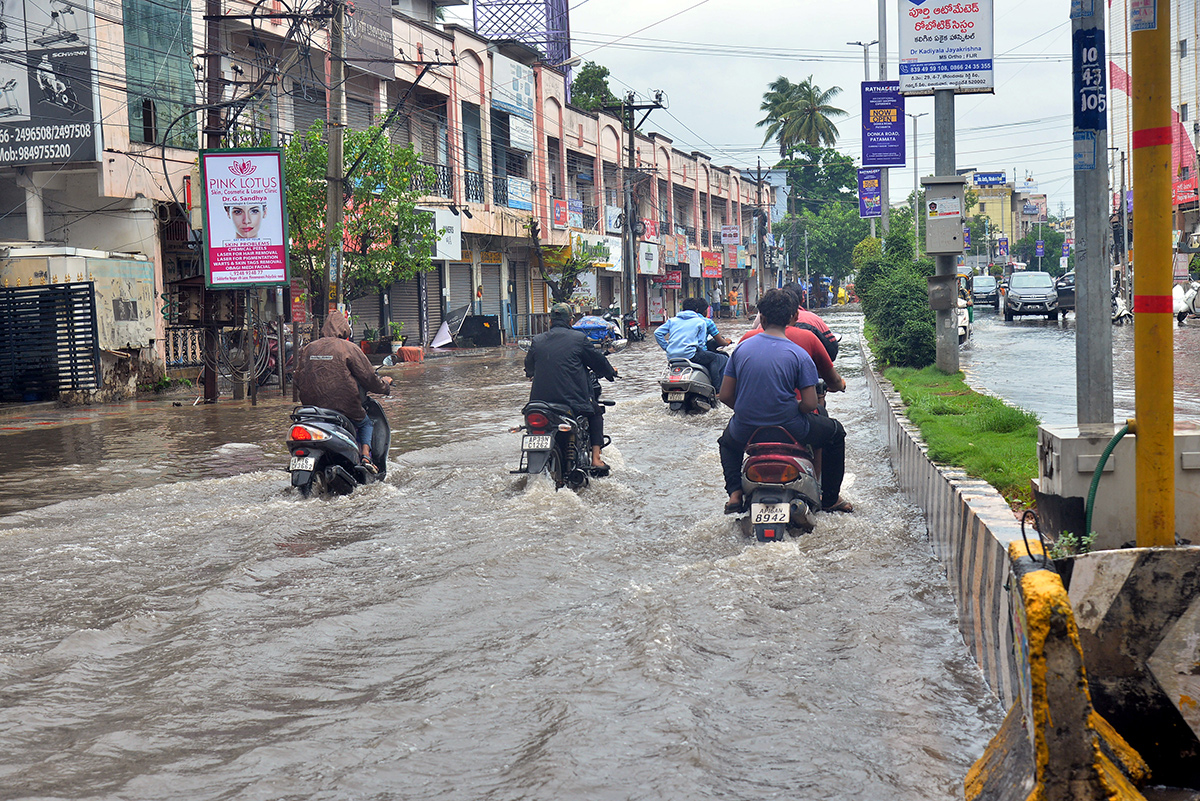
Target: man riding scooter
pixel 686 335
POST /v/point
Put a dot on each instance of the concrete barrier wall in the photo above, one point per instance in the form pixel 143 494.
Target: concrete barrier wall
pixel 970 527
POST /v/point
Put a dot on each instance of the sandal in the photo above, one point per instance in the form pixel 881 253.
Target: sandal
pixel 735 507
pixel 369 466
pixel 842 505
pixel 599 470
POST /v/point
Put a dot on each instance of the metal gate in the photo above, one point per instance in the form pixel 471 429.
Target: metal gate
pixel 49 341
pixel 462 291
pixel 493 290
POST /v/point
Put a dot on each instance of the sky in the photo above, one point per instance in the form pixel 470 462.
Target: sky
pixel 713 60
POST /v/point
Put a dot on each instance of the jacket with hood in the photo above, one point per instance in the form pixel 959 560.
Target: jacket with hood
pixel 331 369
pixel 558 362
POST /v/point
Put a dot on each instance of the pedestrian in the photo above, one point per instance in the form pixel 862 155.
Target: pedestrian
pixel 733 301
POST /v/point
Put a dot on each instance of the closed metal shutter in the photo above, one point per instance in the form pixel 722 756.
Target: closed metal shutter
pixel 539 295
pixel 359 114
pixel 406 308
pixel 493 294
pixel 364 313
pixel 433 286
pixel 519 271
pixel 461 291
pixel 308 106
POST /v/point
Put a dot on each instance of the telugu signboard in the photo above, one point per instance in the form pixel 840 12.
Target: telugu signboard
pixel 731 235
pixel 882 124
pixel 870 200
pixel 245 228
pixel 48 103
pixel 945 46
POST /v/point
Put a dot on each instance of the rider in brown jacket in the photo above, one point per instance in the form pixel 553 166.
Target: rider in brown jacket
pixel 335 374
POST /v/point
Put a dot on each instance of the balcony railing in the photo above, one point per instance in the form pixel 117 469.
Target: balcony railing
pixel 591 218
pixel 690 233
pixel 705 239
pixel 500 190
pixel 474 186
pixel 441 183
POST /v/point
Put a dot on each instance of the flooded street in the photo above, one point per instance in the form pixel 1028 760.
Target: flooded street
pixel 179 624
pixel 1030 362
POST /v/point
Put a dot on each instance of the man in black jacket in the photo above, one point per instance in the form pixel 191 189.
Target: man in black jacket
pixel 559 362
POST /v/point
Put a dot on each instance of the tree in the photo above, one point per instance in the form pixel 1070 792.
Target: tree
pixel 589 90
pixel 1025 249
pixel 816 174
pixel 560 267
pixel 799 113
pixel 385 238
pixel 828 232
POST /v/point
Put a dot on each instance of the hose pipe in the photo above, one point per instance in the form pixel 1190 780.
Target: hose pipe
pixel 1108 449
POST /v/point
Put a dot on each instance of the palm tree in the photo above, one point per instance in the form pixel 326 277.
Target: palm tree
pixel 799 113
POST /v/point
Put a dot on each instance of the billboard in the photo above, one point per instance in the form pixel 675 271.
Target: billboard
pixel 945 46
pixel 48 103
pixel 870 200
pixel 245 226
pixel 369 37
pixel 883 124
pixel 512 86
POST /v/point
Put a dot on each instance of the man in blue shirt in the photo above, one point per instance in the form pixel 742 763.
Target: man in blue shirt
pixel 685 336
pixel 760 383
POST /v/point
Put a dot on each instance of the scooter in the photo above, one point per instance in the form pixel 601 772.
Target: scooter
pixel 963 318
pixel 604 335
pixel 628 322
pixel 558 442
pixel 326 457
pixel 1120 312
pixel 686 387
pixel 780 487
pixel 1185 301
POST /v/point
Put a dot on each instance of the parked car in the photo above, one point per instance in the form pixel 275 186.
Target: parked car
pixel 986 291
pixel 1065 287
pixel 1030 292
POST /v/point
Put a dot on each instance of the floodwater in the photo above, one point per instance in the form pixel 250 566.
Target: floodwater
pixel 179 624
pixel 1030 362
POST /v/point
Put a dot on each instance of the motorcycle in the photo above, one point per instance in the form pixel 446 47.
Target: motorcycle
pixel 604 335
pixel 627 322
pixel 325 452
pixel 686 387
pixel 1120 312
pixel 780 487
pixel 558 442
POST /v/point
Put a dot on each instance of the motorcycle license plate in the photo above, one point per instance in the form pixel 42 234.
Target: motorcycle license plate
pixel 536 443
pixel 770 513
pixel 302 463
pixel 676 396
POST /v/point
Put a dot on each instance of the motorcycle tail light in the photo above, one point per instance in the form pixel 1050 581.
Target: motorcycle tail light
pixel 306 434
pixel 537 422
pixel 772 472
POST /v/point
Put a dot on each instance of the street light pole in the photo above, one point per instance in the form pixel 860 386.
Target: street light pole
pixel 884 178
pixel 916 182
pixel 866 46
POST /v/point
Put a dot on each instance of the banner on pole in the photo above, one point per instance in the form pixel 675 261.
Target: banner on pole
pixel 882 124
pixel 870 201
pixel 245 225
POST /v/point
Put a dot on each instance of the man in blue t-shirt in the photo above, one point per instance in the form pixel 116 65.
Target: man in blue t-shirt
pixel 760 383
pixel 686 335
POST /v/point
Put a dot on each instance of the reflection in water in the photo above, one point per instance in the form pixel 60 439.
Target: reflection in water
pixel 460 632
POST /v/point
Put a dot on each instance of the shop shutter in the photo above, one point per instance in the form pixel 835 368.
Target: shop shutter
pixel 519 271
pixel 406 308
pixel 538 294
pixel 433 286
pixel 364 313
pixel 359 114
pixel 493 295
pixel 461 291
pixel 308 106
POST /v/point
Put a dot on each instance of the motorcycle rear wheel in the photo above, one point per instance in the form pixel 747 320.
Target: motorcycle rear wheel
pixel 554 467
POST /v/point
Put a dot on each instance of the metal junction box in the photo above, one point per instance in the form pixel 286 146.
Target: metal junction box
pixel 943 214
pixel 1067 459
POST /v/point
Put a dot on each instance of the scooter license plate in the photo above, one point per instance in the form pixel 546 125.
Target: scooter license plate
pixel 302 463
pixel 676 396
pixel 536 443
pixel 770 513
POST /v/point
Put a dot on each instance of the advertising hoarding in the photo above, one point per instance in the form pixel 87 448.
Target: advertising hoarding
pixel 245 225
pixel 870 198
pixel 945 46
pixel 882 124
pixel 710 264
pixel 48 102
pixel 988 178
pixel 731 235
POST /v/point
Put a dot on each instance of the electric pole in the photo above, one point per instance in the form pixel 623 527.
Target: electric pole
pixel 335 168
pixel 885 219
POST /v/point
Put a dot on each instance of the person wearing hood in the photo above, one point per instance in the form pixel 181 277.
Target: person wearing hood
pixel 686 335
pixel 331 372
pixel 562 363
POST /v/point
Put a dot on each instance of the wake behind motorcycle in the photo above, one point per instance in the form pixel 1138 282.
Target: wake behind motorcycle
pixel 780 488
pixel 325 456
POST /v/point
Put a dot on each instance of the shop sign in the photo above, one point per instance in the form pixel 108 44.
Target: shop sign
pixel 574 213
pixel 595 249
pixel 647 258
pixel 520 134
pixel 681 249
pixel 612 219
pixel 731 255
pixel 650 230
pixel 559 218
pixel 670 251
pixel 673 280
pixel 616 252
pixel 695 267
pixel 520 193
pixel 490 257
pixel 710 262
pixel 743 257
pixel 731 235
pixel 245 227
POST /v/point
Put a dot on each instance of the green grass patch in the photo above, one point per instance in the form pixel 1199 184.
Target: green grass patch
pixel 977 433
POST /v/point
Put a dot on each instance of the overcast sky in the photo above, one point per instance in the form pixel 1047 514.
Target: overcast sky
pixel 714 59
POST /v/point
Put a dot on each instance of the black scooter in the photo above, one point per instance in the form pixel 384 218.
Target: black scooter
pixel 325 453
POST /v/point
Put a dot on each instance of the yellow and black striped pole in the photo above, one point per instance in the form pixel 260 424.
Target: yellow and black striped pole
pixel 1154 331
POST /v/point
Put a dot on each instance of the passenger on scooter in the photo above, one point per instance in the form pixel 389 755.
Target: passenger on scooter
pixel 334 374
pixel 760 383
pixel 562 363
pixel 812 345
pixel 686 335
pixel 806 319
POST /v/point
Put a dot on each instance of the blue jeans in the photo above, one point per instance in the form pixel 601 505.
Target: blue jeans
pixel 363 430
pixel 714 363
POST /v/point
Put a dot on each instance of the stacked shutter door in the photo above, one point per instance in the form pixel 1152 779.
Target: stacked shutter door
pixel 462 292
pixel 493 294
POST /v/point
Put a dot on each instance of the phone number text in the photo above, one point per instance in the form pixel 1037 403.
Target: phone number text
pixel 35 152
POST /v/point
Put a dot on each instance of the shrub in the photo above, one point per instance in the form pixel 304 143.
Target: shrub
pixel 897 305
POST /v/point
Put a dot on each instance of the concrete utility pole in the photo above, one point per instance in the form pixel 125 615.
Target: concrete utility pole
pixel 1093 276
pixel 334 171
pixel 1123 248
pixel 916 181
pixel 866 46
pixel 945 164
pixel 761 222
pixel 212 141
pixel 1154 323
pixel 885 219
